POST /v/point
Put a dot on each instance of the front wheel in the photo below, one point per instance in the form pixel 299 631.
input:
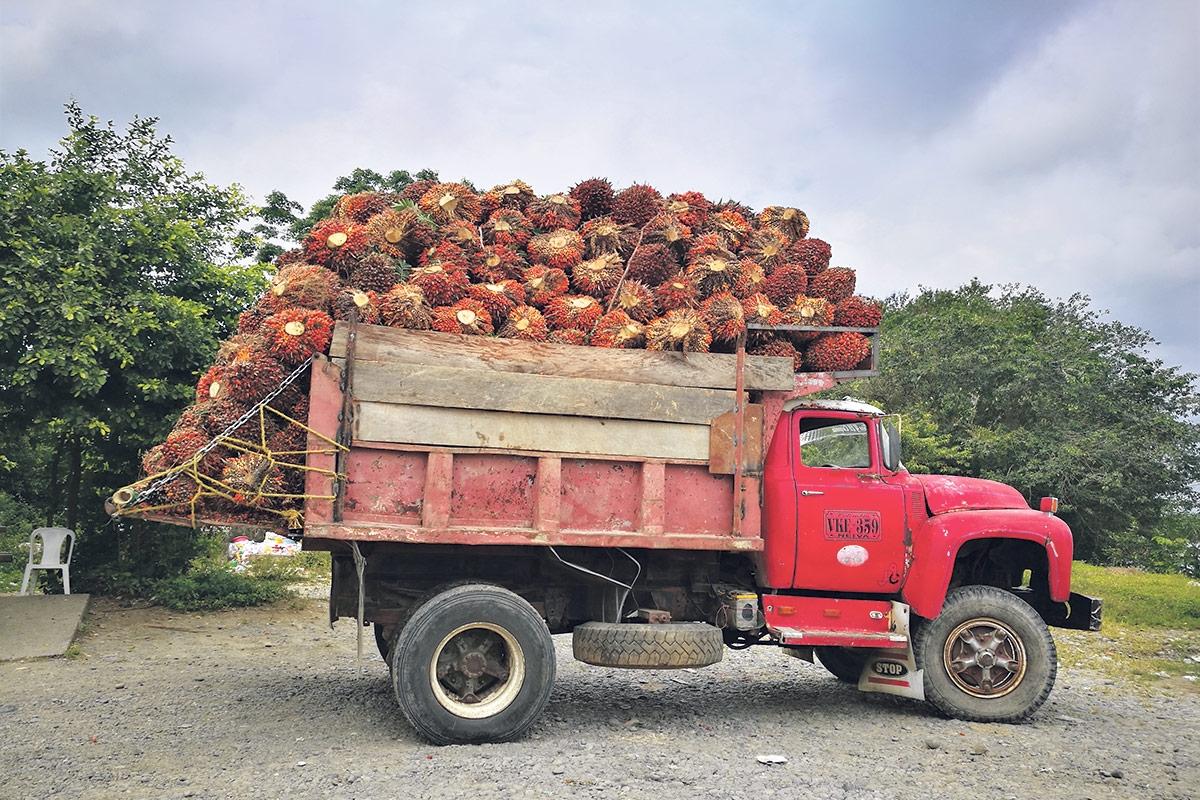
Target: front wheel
pixel 844 663
pixel 473 664
pixel 988 657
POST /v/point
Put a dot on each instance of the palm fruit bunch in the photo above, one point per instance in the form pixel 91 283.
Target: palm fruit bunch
pixel 618 329
pixel 596 266
pixel 836 352
pixel 857 312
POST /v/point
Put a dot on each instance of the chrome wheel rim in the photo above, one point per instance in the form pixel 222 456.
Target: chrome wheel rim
pixel 985 658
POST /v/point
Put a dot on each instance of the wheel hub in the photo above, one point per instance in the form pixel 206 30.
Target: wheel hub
pixel 477 670
pixel 985 658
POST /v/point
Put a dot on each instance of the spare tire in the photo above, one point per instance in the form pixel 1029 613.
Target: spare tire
pixel 643 646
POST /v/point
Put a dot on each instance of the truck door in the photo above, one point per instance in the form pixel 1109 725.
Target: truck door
pixel 850 535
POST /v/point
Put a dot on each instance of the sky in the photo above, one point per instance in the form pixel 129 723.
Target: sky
pixel 1047 143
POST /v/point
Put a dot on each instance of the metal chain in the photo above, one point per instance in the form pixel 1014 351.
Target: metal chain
pixel 242 420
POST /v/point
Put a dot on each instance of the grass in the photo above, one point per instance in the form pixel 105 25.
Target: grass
pixel 1141 599
pixel 303 567
pixel 212 585
pixel 1151 631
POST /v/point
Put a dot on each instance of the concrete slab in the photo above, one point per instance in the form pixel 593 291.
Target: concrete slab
pixel 39 624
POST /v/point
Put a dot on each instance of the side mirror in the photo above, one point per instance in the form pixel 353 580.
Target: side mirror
pixel 890 442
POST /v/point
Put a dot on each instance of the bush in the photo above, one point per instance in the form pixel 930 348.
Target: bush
pixel 18 520
pixel 213 588
pixel 1171 546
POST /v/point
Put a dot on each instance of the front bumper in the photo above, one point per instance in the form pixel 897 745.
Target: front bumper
pixel 1081 612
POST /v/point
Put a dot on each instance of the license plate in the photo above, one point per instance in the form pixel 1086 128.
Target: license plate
pixel 853 526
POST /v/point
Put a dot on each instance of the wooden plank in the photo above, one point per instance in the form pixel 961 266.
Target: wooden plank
pixel 704 370
pixel 451 387
pixel 505 430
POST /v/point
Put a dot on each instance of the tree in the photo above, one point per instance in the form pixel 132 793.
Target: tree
pixel 117 282
pixel 1047 396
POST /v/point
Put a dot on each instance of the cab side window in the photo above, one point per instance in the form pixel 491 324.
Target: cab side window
pixel 834 443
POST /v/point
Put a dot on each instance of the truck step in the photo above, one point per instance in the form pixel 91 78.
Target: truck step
pixel 828 638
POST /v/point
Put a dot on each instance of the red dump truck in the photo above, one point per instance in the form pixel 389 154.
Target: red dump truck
pixel 480 494
pixel 485 494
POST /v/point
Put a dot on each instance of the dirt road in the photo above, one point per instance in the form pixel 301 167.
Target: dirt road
pixel 270 703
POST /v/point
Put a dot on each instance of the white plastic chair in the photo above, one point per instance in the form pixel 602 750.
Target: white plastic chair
pixel 51 555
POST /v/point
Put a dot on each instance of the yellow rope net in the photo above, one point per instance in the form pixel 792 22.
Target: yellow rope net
pixel 259 489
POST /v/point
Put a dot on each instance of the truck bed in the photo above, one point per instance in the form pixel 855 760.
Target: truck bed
pixel 459 439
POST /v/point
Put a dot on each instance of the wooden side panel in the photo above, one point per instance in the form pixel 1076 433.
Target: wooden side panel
pixel 706 370
pixel 452 387
pixel 459 427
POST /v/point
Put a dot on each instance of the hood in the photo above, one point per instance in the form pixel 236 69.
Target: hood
pixel 944 493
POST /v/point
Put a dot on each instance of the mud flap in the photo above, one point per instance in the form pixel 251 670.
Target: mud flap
pixel 894 671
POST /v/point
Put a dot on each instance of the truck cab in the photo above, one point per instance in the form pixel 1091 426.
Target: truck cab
pixel 930 586
pixel 842 514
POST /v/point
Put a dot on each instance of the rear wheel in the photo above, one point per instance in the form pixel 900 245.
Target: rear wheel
pixel 988 657
pixel 383 639
pixel 845 663
pixel 472 664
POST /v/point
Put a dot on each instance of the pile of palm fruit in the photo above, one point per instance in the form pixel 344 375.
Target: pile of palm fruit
pixel 592 266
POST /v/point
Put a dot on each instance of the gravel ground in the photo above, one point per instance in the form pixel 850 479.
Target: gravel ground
pixel 270 703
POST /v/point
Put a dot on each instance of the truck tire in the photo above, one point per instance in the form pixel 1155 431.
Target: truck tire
pixel 473 664
pixel 844 663
pixel 383 639
pixel 643 646
pixel 988 657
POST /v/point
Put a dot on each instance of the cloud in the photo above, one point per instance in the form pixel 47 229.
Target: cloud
pixel 1074 171
pixel 930 142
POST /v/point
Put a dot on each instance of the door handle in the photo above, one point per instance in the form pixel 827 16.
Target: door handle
pixel 808 493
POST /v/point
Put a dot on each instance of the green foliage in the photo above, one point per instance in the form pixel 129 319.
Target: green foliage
pixel 927 449
pixel 18 520
pixel 302 567
pixel 1141 599
pixel 213 583
pixel 117 282
pixel 1173 545
pixel 215 587
pixel 132 555
pixel 281 216
pixel 1046 396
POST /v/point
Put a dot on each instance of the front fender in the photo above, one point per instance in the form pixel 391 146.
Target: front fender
pixel 937 541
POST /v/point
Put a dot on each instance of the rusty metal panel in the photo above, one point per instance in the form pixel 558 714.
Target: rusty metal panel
pixel 601 495
pixel 722 444
pixel 698 502
pixel 385 486
pixel 493 490
pixel 319 536
pixel 831 621
pixel 325 406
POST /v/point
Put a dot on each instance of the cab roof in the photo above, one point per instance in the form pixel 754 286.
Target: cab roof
pixel 845 404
